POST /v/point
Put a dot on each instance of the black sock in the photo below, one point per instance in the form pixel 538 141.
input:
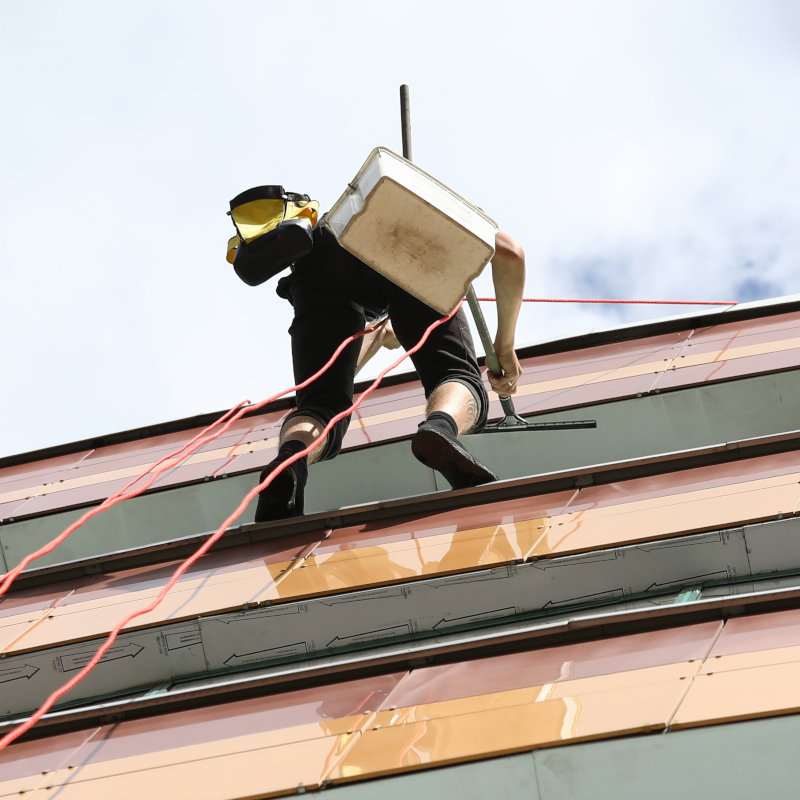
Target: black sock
pixel 442 421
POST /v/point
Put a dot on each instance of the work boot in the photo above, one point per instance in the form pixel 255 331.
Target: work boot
pixel 284 496
pixel 436 445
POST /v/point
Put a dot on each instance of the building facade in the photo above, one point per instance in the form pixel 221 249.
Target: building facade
pixel 620 613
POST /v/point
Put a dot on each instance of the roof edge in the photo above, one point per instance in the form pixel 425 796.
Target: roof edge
pixel 624 333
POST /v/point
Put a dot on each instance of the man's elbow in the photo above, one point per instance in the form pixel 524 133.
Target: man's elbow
pixel 508 249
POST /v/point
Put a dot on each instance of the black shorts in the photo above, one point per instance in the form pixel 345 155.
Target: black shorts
pixel 333 293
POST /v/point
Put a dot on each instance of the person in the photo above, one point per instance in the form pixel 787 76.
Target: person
pixel 334 294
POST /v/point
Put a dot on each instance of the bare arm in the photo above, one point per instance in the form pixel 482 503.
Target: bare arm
pixel 508 275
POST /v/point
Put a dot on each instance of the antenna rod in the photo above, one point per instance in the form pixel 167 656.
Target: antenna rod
pixel 512 420
pixel 480 323
pixel 405 121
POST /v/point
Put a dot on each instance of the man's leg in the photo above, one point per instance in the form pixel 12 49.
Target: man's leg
pixel 324 317
pixel 285 495
pixel 457 399
pixel 452 410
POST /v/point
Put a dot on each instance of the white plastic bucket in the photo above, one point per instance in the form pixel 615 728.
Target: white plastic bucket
pixel 412 229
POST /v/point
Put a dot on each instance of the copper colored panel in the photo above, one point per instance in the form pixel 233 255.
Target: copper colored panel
pixel 644 371
pixel 341 570
pixel 597 373
pixel 363 555
pixel 23 608
pixel 113 467
pixel 24 765
pixel 777 322
pixel 757 658
pixel 27 614
pixel 593 374
pixel 621 681
pixel 204 774
pixel 12 634
pixel 650 519
pixel 79 495
pixel 11 509
pixel 23 613
pixel 36 472
pixel 761 632
pixel 726 370
pixel 131 458
pixel 279 730
pixel 407 418
pixel 599 517
pixel 611 356
pixel 307 713
pixel 251 459
pixel 500 731
pixel 394 400
pixel 217 584
pixel 741 694
pixel 736 349
pixel 603 504
pixel 73 488
pixel 188 599
pixel 671 483
pixel 470 704
pixel 148 450
pixel 407 528
pixel 580 395
pixel 686 647
pixel 394 409
pixel 744 333
pixel 403 407
pixel 29 601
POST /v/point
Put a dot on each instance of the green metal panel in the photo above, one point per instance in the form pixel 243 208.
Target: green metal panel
pixel 626 429
pixel 505 777
pixel 157 517
pixel 656 423
pixel 382 472
pixel 741 760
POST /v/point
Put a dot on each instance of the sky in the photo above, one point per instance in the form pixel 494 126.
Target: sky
pixel 637 149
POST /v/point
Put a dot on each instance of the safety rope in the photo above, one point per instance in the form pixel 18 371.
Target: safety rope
pixel 123 494
pixel 23 727
pixel 595 300
pixel 161 466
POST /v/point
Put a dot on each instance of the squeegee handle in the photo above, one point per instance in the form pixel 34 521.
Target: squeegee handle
pixel 492 361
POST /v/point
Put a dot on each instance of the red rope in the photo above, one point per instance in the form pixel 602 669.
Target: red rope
pixel 119 496
pixel 650 302
pixel 23 727
pixel 194 444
